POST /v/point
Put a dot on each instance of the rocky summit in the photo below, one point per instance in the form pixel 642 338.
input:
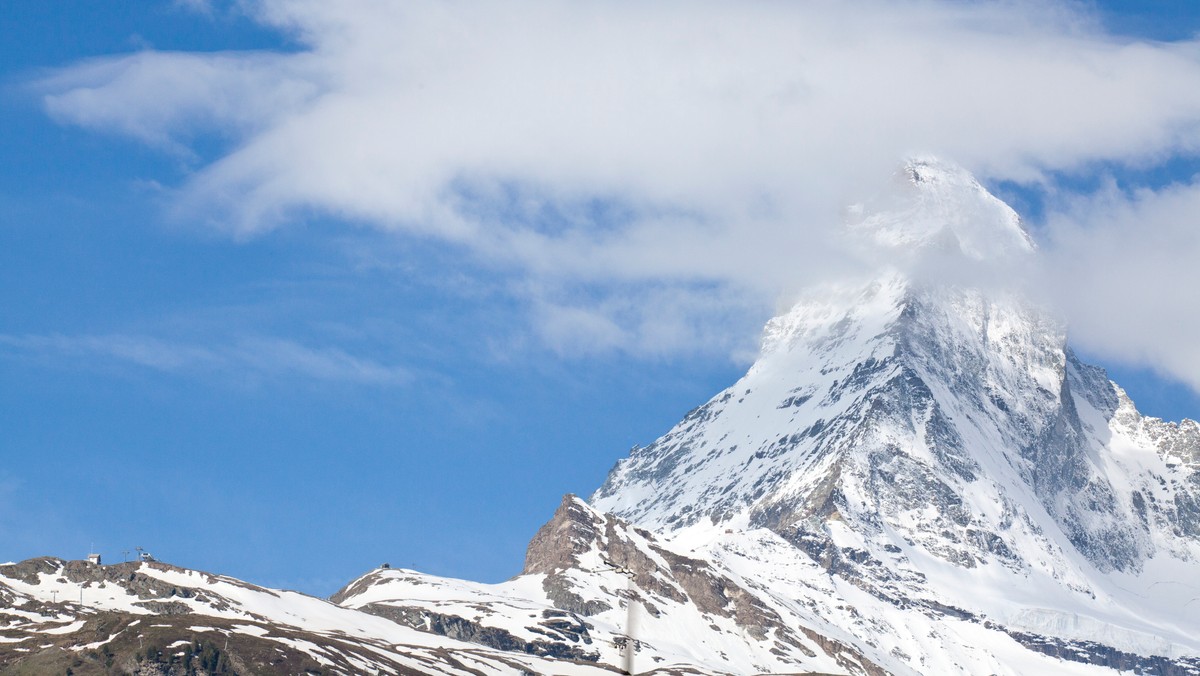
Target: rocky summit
pixel 917 476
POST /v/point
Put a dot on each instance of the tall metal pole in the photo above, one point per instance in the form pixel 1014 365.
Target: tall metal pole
pixel 630 627
pixel 631 613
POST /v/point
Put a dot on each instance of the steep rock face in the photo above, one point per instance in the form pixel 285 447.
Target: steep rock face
pixel 1167 496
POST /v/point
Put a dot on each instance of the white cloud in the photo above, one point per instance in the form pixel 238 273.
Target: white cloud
pixel 257 356
pixel 162 98
pixel 719 139
pixel 1126 268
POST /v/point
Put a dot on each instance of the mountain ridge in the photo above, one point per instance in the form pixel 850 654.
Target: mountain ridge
pixel 915 476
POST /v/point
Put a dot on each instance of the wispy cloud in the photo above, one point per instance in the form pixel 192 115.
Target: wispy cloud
pixel 179 94
pixel 614 155
pixel 264 357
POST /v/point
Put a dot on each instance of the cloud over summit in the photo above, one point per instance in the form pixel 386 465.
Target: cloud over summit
pixel 698 149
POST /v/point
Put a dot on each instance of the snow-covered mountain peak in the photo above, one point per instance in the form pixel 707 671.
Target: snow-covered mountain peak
pixel 936 206
pixel 859 363
pixel 920 437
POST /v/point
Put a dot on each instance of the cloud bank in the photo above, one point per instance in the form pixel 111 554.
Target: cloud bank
pixel 654 171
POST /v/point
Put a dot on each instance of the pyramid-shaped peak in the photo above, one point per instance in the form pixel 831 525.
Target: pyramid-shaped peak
pixel 927 170
pixel 936 205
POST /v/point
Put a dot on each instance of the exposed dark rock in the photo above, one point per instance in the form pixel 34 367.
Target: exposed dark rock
pixel 1094 653
pixel 462 629
pixel 121 643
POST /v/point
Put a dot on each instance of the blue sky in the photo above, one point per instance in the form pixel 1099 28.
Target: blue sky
pixel 250 369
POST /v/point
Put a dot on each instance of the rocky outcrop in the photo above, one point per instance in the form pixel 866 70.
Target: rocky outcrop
pixel 1090 652
pixel 566 636
pixel 659 576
